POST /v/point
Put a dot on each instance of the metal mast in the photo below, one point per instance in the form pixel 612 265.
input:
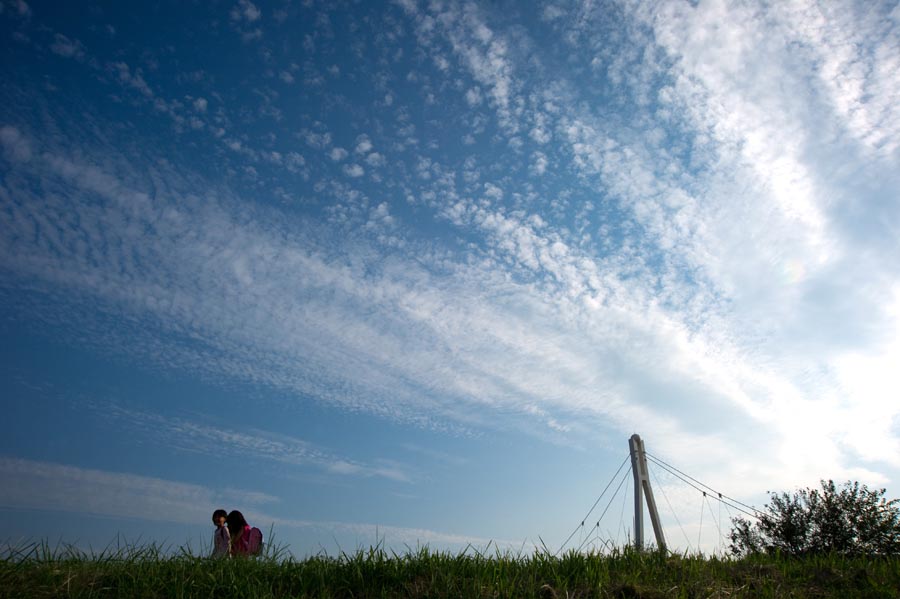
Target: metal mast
pixel 641 488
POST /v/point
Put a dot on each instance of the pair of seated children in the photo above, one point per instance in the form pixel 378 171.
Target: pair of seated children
pixel 234 536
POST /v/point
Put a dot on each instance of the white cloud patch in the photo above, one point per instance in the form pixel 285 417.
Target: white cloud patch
pixel 67 48
pixel 20 8
pixel 375 160
pixel 539 163
pixel 251 35
pixel 131 78
pixel 316 139
pixel 380 217
pixel 354 170
pixel 245 11
pixel 363 145
pixel 493 192
pixel 552 12
pixel 294 161
pixel 484 54
pixel 473 96
pixel 16 147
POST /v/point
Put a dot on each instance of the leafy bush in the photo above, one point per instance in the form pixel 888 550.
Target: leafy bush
pixel 852 520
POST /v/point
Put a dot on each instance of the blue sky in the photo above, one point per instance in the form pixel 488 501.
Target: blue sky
pixel 415 271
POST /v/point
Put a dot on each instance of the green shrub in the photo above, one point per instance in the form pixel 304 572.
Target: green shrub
pixel 852 520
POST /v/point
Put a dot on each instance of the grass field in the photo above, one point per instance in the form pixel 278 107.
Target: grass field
pixel 145 571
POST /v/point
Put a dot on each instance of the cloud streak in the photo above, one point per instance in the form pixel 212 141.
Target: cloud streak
pixel 35 485
pixel 186 435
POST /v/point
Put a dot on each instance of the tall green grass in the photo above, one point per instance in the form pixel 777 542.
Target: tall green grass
pixel 128 570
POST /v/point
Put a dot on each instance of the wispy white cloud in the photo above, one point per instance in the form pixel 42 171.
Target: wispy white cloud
pixel 482 53
pixel 245 10
pixel 400 538
pixel 854 53
pixel 316 139
pixel 35 485
pixel 131 78
pixel 16 147
pixel 19 8
pixel 777 133
pixel 752 184
pixel 67 48
pixel 251 35
pixel 187 435
pixel 245 18
pixel 410 344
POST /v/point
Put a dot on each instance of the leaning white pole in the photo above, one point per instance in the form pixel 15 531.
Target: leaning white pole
pixel 634 446
pixel 642 487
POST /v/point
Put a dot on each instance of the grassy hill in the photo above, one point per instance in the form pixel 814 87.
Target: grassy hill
pixel 37 571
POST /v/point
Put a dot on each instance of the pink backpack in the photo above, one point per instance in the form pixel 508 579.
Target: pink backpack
pixel 254 541
pixel 251 542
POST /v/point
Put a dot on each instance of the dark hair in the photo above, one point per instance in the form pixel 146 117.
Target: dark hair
pixel 219 514
pixel 236 522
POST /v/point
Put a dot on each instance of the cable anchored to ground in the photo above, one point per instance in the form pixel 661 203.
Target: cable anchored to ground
pixel 609 503
pixel 590 511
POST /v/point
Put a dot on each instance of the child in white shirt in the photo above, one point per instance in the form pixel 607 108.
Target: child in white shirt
pixel 221 538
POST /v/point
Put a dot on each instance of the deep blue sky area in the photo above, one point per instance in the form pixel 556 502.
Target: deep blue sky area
pixel 414 272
